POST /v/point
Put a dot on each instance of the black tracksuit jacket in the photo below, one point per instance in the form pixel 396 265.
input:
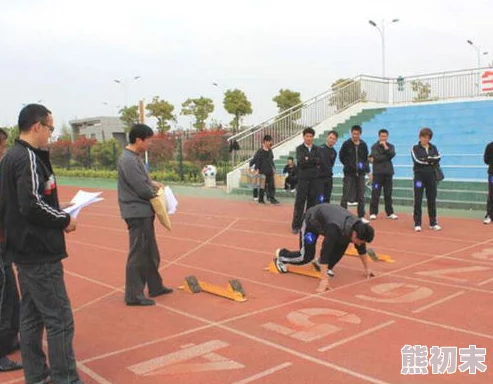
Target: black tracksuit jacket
pixel 31 220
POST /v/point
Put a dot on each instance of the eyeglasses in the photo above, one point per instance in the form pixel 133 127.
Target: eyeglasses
pixel 50 127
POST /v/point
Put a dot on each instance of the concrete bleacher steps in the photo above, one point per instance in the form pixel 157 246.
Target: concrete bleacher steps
pixel 461 132
pixel 451 194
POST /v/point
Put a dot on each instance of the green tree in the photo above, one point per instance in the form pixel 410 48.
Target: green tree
pixel 129 116
pixel 346 92
pixel 423 90
pixel 200 108
pixel 287 99
pixel 66 133
pixel 162 111
pixel 13 133
pixel 236 103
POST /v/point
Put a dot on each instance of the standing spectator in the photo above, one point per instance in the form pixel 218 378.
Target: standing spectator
pixel 488 160
pixel 329 156
pixel 135 190
pixel 9 300
pixel 290 171
pixel 425 158
pixel 33 223
pixel 263 161
pixel 354 157
pixel 382 153
pixel 308 159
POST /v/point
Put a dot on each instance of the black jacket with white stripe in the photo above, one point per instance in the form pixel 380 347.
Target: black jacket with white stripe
pixel 425 159
pixel 31 220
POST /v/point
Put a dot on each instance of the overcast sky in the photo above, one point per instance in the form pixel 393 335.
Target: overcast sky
pixel 67 53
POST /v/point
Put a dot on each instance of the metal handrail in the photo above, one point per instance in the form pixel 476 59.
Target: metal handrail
pixel 446 85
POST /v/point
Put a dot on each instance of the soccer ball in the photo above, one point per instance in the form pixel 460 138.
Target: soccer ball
pixel 209 171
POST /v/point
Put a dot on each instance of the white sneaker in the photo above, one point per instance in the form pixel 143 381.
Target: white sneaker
pixel 487 220
pixel 436 227
pixel 392 217
pixel 373 217
pixel 417 228
pixel 281 267
pixel 330 272
pixel 364 221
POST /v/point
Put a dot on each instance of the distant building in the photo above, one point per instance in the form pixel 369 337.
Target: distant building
pixel 101 128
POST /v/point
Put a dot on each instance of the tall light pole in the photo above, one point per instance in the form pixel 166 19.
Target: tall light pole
pixel 478 50
pixel 381 30
pixel 124 84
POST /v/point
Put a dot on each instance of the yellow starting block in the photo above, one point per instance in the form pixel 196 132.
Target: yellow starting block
pixel 351 251
pixel 234 290
pixel 305 270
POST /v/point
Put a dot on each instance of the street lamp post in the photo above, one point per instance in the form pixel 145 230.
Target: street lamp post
pixel 478 50
pixel 124 84
pixel 381 30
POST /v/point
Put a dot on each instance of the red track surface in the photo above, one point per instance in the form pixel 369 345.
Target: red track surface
pixel 437 293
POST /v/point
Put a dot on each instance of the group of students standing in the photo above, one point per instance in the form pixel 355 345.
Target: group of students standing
pixel 312 174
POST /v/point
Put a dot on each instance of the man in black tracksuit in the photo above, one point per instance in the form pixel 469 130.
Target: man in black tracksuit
pixel 425 157
pixel 9 299
pixel 329 156
pixel 354 157
pixel 382 153
pixel 488 160
pixel 339 228
pixel 308 159
pixel 263 161
pixel 33 224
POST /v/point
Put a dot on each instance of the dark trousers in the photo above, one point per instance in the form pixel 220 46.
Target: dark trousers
pixel 290 182
pixel 306 253
pixel 306 195
pixel 489 203
pixel 9 309
pixel 45 305
pixel 354 185
pixel 325 186
pixel 143 260
pixel 425 182
pixel 381 181
pixel 270 188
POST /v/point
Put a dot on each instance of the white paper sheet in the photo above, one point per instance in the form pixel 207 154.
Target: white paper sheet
pixel 82 199
pixel 171 201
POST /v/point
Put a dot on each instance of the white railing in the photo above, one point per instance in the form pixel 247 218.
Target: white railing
pixel 468 83
pixel 310 113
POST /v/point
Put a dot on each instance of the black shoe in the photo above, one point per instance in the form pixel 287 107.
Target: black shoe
pixel 261 201
pixel 143 303
pixel 13 347
pixel 295 231
pixel 163 291
pixel 7 365
pixel 274 201
pixel 46 380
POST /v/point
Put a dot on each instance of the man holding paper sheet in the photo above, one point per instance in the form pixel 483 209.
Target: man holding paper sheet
pixel 135 190
pixel 33 225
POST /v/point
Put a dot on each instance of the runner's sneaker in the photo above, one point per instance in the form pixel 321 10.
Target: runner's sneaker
pixel 487 220
pixel 417 228
pixel 392 217
pixel 436 227
pixel 281 267
pixel 330 272
pixel 373 217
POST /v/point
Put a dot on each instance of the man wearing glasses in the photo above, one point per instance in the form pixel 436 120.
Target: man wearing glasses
pixel 33 224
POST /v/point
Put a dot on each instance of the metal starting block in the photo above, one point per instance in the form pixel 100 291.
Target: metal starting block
pixel 234 290
pixel 305 270
pixel 351 251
